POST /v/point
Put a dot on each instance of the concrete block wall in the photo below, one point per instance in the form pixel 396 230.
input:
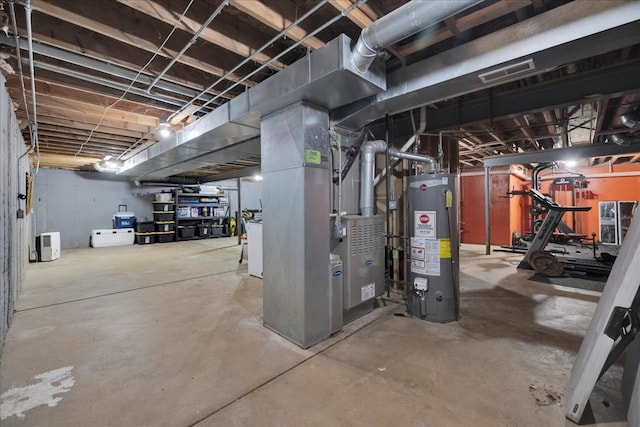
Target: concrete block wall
pixel 15 233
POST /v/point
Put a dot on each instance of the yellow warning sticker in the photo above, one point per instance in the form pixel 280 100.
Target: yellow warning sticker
pixel 313 157
pixel 445 248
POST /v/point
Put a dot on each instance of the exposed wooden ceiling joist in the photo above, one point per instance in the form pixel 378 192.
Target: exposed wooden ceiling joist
pixel 356 15
pixel 262 13
pixel 66 161
pixel 117 60
pixel 65 113
pixel 63 91
pixel 52 102
pixel 128 38
pixel 161 13
pixel 116 132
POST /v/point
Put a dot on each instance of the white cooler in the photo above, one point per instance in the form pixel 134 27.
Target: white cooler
pixel 112 237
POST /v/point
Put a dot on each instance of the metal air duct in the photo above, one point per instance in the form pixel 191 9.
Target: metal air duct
pixel 403 22
pixel 631 119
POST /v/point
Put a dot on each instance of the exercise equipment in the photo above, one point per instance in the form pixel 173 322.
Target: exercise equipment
pixel 548 226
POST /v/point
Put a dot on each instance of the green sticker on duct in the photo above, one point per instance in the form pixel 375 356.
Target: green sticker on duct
pixel 313 157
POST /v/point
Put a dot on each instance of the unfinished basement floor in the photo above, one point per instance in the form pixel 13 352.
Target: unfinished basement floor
pixel 171 335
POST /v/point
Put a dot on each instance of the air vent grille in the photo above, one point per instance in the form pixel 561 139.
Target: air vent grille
pixel 508 71
pixel 366 236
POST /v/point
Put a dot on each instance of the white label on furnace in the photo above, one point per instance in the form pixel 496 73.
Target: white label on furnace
pixel 424 224
pixel 420 283
pixel 367 291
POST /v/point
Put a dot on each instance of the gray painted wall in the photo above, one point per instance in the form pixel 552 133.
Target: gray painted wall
pixel 14 232
pixel 250 193
pixel 74 203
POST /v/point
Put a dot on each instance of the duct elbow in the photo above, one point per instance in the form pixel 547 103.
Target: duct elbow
pixel 375 146
pixel 630 120
pixel 431 163
pixel 363 55
pixel 403 22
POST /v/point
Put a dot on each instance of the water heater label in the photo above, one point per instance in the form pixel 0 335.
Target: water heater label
pixel 424 224
pixel 425 256
pixel 368 291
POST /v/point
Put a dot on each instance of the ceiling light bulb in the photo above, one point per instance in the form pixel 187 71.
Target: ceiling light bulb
pixel 165 132
pixel 571 163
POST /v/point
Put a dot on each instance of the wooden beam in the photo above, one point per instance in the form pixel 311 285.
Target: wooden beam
pixel 356 16
pixel 44 119
pixel 79 139
pixel 65 113
pixel 43 6
pixel 189 25
pixel 66 161
pixel 45 128
pixel 86 51
pixel 465 23
pixel 261 12
pixel 94 110
pixel 63 91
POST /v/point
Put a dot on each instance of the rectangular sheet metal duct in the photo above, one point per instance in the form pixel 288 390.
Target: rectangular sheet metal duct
pixel 326 78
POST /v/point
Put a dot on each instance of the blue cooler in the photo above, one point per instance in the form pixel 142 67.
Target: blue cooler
pixel 124 220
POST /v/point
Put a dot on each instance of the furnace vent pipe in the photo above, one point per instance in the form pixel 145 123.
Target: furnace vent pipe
pixel 403 22
pixel 430 161
pixel 369 150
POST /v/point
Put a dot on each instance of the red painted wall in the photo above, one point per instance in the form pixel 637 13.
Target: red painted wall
pixel 599 189
pixel 472 209
pixel 512 214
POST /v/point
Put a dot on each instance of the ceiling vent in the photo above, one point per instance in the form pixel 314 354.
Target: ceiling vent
pixel 507 72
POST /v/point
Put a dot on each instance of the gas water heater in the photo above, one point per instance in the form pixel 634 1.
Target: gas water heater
pixel 434 254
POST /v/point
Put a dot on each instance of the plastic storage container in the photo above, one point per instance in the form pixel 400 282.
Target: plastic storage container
pixel 216 230
pixel 162 216
pixel 145 238
pixel 144 227
pixel 186 232
pixel 163 206
pixel 164 237
pixel 165 226
pixel 204 230
pixel 112 237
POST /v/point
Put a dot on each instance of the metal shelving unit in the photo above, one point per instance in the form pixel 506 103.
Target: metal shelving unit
pixel 201 215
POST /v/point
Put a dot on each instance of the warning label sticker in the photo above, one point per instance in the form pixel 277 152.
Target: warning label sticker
pixel 424 224
pixel 445 248
pixel 367 291
pixel 425 256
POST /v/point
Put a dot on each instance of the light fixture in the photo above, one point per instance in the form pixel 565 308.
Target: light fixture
pixel 571 163
pixel 257 177
pixel 109 166
pixel 165 129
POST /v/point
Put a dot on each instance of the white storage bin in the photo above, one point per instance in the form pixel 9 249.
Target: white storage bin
pixel 112 237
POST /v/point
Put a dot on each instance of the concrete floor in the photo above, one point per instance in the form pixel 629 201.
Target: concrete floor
pixel 172 335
